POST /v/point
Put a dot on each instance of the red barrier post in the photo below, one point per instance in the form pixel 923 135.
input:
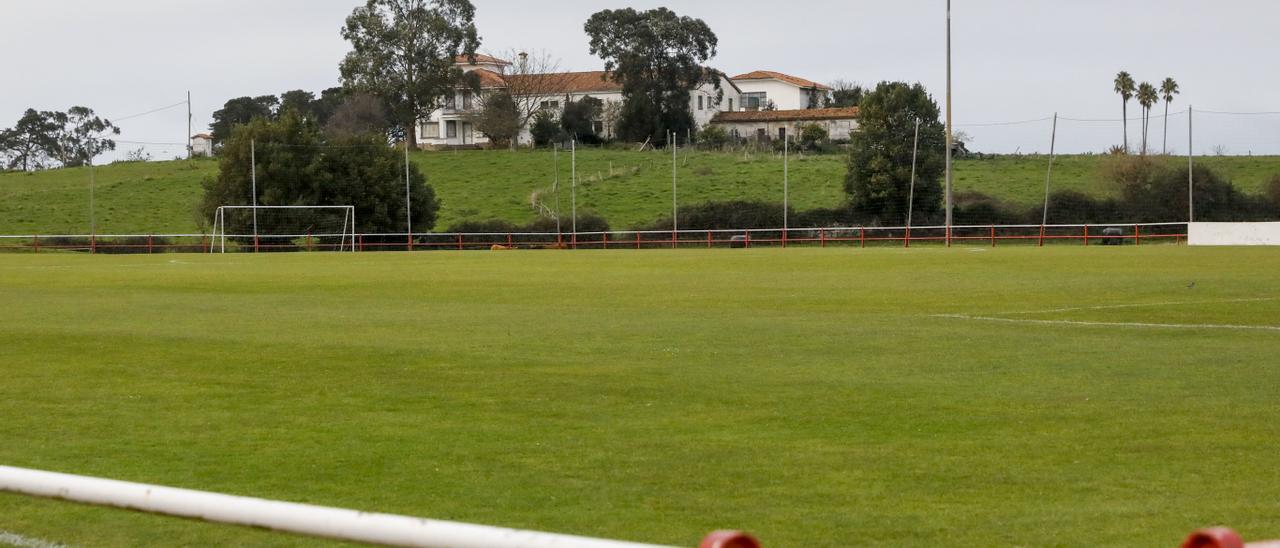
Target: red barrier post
pixel 150 245
pixel 822 237
pixel 708 239
pixel 1137 235
pixel 37 243
pixel 308 240
pixel 637 240
pixel 459 242
pixel 1086 235
pixel 784 238
pixel 510 244
pixel 604 239
pixel 908 238
pixel 673 239
pixel 948 236
pixel 748 244
pixel 255 243
pixel 409 241
pixel 993 235
pixel 93 244
pixel 862 236
pixel 1041 235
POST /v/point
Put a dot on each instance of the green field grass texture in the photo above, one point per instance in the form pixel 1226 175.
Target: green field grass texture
pixel 812 397
pixel 625 186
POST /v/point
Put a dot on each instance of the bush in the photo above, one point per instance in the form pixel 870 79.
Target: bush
pixel 813 135
pixel 713 136
pixel 1272 191
pixel 545 129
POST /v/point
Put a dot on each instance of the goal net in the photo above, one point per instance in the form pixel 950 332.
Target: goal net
pixel 284 228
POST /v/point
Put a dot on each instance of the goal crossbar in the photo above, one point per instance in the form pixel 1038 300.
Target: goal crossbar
pixel 346 235
pixel 304 519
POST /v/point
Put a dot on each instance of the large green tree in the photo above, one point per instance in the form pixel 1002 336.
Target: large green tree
pixel 404 52
pixel 880 151
pixel 298 165
pixel 28 143
pixel 82 136
pixel 658 57
pixel 240 111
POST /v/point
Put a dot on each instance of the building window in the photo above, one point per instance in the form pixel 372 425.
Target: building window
pixel 730 105
pixel 782 133
pixel 429 130
pixel 699 102
pixel 762 134
pixel 466 100
pixel 755 101
pixel 451 130
pixel 550 105
pixel 451 102
pixel 597 127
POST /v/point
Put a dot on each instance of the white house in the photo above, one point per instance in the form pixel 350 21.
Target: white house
pixel 202 145
pixel 451 126
pixel 784 91
pixel 764 125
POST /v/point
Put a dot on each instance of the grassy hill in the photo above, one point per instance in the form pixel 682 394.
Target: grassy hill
pixel 627 187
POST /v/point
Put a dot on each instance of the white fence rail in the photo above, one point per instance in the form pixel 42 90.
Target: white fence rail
pixel 303 519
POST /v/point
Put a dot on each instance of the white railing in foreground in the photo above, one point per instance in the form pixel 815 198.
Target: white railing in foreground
pixel 304 519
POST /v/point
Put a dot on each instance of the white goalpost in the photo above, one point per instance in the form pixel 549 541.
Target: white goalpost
pixel 291 228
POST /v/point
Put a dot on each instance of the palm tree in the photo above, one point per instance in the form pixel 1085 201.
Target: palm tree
pixel 1125 87
pixel 1168 89
pixel 1147 97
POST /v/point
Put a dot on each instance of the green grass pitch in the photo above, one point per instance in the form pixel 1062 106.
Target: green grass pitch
pixel 812 397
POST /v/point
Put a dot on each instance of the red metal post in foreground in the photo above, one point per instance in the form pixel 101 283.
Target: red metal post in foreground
pixel 1222 537
pixel 1086 235
pixel 37 242
pixel 729 539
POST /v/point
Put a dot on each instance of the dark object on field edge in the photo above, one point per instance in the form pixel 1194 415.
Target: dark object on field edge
pixel 738 242
pixel 1113 236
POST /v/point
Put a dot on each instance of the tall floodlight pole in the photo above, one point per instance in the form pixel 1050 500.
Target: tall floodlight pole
pixel 675 211
pixel 1191 178
pixel 573 188
pixel 1053 151
pixel 555 188
pixel 911 196
pixel 93 225
pixel 253 178
pixel 408 200
pixel 786 183
pixel 950 136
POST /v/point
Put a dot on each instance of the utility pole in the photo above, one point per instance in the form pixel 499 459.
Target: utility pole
pixel 911 196
pixel 93 225
pixel 786 183
pixel 675 210
pixel 1053 152
pixel 950 135
pixel 555 188
pixel 573 188
pixel 190 146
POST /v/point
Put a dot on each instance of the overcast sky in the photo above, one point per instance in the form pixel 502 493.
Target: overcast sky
pixel 1015 60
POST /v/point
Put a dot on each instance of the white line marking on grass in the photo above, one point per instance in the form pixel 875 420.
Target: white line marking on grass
pixel 1141 305
pixel 1110 324
pixel 14 539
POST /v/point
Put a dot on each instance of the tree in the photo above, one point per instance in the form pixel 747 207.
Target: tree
pixel 404 52
pixel 812 135
pixel 880 152
pixel 28 144
pixel 1147 98
pixel 1125 86
pixel 817 98
pixel 359 114
pixel 298 165
pixel 327 104
pixel 578 118
pixel 1168 88
pixel 657 57
pixel 499 118
pixel 300 101
pixel 81 136
pixel 239 111
pixel 531 79
pixel 545 129
pixel 846 94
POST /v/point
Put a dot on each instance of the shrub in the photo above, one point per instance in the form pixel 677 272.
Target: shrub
pixel 812 135
pixel 545 129
pixel 713 136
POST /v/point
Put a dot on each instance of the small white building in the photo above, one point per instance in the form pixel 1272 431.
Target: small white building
pixel 785 92
pixel 764 125
pixel 202 145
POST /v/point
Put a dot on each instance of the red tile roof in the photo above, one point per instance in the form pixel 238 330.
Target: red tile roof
pixel 770 75
pixel 576 82
pixel 489 79
pixel 480 59
pixel 788 115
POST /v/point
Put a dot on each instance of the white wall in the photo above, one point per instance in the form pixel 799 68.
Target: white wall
pixel 784 95
pixel 1233 234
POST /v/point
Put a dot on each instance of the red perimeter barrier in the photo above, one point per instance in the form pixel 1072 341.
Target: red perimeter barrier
pixel 1222 537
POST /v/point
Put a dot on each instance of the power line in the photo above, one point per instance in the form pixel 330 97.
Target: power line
pixel 1017 123
pixel 153 111
pixel 1263 113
